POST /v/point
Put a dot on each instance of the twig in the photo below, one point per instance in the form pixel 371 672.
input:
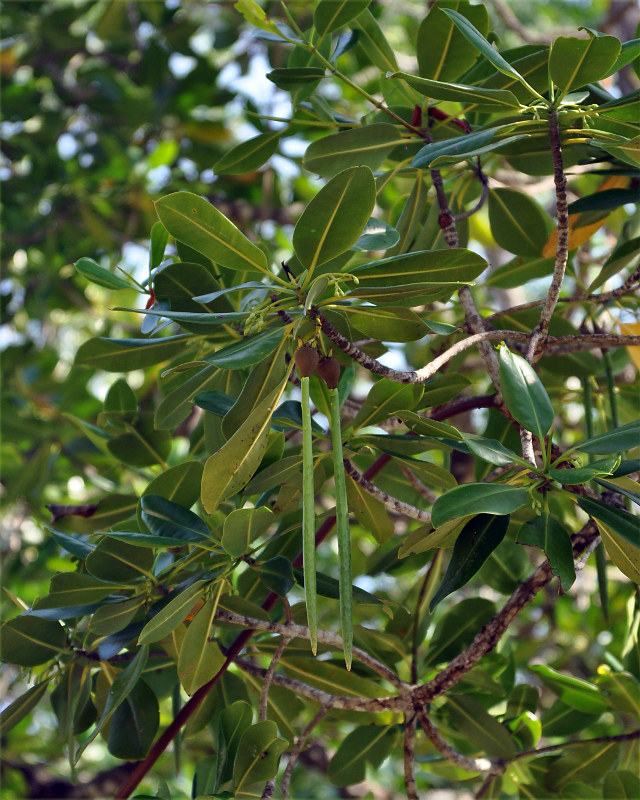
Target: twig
pixel 410 722
pixel 621 737
pixel 562 248
pixel 483 196
pixel 426 589
pixel 428 494
pixel 300 743
pixel 445 749
pixel 268 678
pixel 399 506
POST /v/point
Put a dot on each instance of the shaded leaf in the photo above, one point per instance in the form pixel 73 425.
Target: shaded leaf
pixel 125 355
pixel 258 754
pixel 549 535
pixel 366 146
pixel 200 659
pixel 366 744
pixel 524 394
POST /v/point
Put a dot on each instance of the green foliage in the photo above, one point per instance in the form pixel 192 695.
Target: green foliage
pixel 170 582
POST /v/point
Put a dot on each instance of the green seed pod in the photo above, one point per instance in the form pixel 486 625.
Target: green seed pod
pixel 306 359
pixel 329 371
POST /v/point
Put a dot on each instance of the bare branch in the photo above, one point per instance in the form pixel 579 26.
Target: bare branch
pixel 264 691
pixel 390 502
pixel 410 720
pixel 562 248
pixel 429 495
pixel 445 749
pixel 300 743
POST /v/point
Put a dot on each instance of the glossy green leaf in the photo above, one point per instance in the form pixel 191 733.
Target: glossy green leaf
pixel 125 355
pixel 612 441
pixel 621 784
pixel 423 267
pixel 274 475
pixel 142 445
pixel 165 518
pixel 373 42
pixel 28 641
pixel 477 540
pixel 370 512
pixel 576 62
pixel 228 470
pixel 233 721
pixel 367 744
pixel 249 155
pixel 619 521
pixel 290 78
pixel 335 218
pixel 429 427
pixel 523 697
pixel 491 450
pixel 455 629
pixel 563 720
pixel 426 537
pixel 121 687
pixel 134 724
pixel 387 324
pixel 366 146
pixel 441 389
pixel 192 220
pixel 248 351
pixel 258 754
pixel 524 393
pixel 549 535
pixel 458 146
pixel 605 200
pixel 115 616
pixel 576 475
pixel 21 706
pixel 329 15
pixel 93 272
pixel 477 498
pixel 179 484
pixel 624 486
pixel 377 235
pixel 157 245
pixel 200 658
pixel 460 93
pixel 175 406
pixel 475 37
pixel 575 692
pixel 277 575
pixel 119 562
pixel 519 271
pixel 518 223
pixel 216 402
pixel 384 398
pixel 172 614
pixel 241 527
pixel 443 52
pixel 471 720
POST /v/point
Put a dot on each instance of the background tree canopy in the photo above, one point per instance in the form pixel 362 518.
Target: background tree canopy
pixel 320 447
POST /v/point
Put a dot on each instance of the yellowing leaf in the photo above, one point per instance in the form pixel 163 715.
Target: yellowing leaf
pixel 632 329
pixel 579 234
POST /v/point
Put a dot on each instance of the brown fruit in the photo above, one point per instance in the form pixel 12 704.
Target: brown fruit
pixel 306 359
pixel 329 371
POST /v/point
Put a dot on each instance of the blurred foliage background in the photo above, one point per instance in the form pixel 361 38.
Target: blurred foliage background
pixel 107 104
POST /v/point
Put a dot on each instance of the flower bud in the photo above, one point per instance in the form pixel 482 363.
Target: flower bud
pixel 306 359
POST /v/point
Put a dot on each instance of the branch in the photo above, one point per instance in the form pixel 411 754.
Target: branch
pixel 621 737
pixel 429 495
pixel 410 756
pixel 295 753
pixel 390 502
pixel 562 248
pixel 268 678
pixel 464 762
pixel 292 630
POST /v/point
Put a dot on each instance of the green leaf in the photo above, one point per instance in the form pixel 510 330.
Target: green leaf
pixel 518 223
pixel 120 398
pixel 114 617
pixel 93 272
pixel 377 235
pixel 329 15
pixel 424 267
pixel 624 555
pixel 258 754
pixel 443 52
pixel 165 518
pixel 289 78
pixel 228 470
pixel 175 406
pixel 384 398
pixel 523 697
pixel 491 450
pixel 241 527
pixel 28 641
pixel 274 475
pixel 477 498
pixel 142 445
pixel 613 441
pixel 334 220
pixel 475 37
pixel 621 784
pixel 458 146
pixel 134 724
pixel 621 522
pixel 470 719
pixel 455 629
pixel 576 475
pixel 192 220
pixel 366 744
pixel 459 93
pixel 429 427
pixel 621 690
pixel 573 691
pixel 387 324
pixel 589 763
pixel 119 562
pixel 179 484
pixel 277 575
pixel 75 588
pixel 233 721
pixel 366 146
pixel 157 245
pixel 125 355
pixel 373 42
pixel 605 200
pixel 477 540
pixel 200 658
pixel 370 512
pixel 329 587
pixel 549 535
pixel 519 271
pixel 249 155
pixel 441 389
pixel 563 720
pixel 171 615
pixel 524 394
pixel 118 692
pixel 248 351
pixel 576 62
pixel 21 706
